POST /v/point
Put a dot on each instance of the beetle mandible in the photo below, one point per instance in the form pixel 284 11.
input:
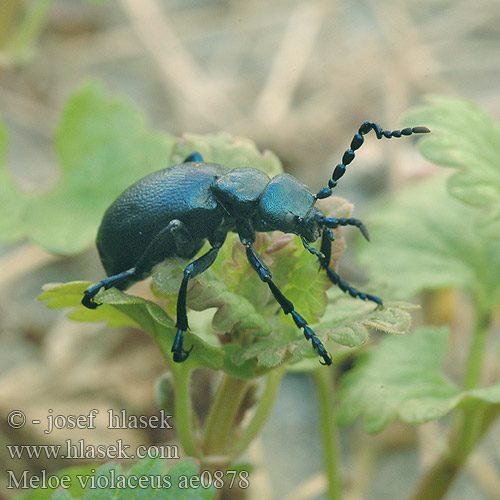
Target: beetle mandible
pixel 172 212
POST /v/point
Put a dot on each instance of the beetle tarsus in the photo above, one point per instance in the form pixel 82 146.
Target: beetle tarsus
pixel 327 359
pixel 88 296
pixel 179 353
pixel 310 335
pixel 89 302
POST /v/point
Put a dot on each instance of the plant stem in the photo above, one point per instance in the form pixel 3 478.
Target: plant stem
pixel 438 479
pixel 183 410
pixel 324 384
pixel 264 407
pixel 219 423
pixel 473 420
pixel 473 370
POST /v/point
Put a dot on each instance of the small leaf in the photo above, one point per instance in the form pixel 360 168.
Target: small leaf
pixel 148 480
pixel 465 137
pixel 235 314
pixel 423 239
pixel 399 370
pixel 104 145
pixel 120 309
pixel 347 320
pixel 61 495
pixel 227 150
pixel 392 318
pixel 402 378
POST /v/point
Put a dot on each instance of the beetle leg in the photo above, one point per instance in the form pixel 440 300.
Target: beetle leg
pixel 326 249
pixel 311 249
pixel 194 157
pixel 265 275
pixel 91 292
pixel 182 241
pixel 191 271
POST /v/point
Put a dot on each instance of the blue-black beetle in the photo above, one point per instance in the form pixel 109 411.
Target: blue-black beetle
pixel 173 211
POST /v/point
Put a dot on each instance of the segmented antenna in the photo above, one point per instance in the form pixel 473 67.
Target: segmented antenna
pixel 356 143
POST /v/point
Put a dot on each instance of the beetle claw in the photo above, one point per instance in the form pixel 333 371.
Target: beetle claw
pixel 327 359
pixel 89 302
pixel 179 353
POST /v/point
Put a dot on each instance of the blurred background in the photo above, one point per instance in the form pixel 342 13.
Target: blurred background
pixel 298 78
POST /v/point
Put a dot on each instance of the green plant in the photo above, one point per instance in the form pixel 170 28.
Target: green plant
pixel 422 239
pixel 20 27
pixel 433 237
pixel 99 138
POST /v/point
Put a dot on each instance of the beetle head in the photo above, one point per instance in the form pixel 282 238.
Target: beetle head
pixel 287 205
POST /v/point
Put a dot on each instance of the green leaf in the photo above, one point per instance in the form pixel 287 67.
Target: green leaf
pixel 346 321
pixel 235 314
pixel 120 309
pixel 398 370
pixel 74 491
pixel 146 480
pixel 104 145
pixel 402 378
pixel 424 239
pixel 465 137
pixel 227 150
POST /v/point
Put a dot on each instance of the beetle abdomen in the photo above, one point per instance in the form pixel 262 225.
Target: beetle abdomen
pixel 181 192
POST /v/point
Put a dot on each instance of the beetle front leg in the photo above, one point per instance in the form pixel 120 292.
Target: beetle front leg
pixel 265 275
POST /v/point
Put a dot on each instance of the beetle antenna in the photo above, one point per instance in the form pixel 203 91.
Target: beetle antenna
pixel 356 143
